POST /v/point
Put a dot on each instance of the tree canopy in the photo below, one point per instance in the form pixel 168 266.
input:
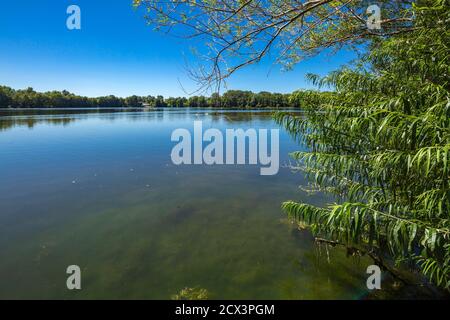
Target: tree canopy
pixel 29 98
pixel 380 143
pixel 239 33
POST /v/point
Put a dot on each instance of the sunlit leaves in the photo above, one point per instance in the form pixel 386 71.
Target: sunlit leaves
pixel 380 143
pixel 238 33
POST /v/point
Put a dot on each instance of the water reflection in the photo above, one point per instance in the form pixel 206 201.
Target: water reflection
pixel 31 117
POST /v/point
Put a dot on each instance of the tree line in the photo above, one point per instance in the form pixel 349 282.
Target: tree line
pixel 29 98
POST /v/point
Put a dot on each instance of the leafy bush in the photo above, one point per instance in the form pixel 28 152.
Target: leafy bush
pixel 381 144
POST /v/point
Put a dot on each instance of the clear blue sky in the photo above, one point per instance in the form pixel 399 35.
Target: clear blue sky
pixel 115 52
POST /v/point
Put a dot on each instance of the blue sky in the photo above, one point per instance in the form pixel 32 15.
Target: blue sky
pixel 115 52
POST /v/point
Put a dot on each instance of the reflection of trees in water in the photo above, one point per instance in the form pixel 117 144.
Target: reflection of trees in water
pixel 67 111
pixel 6 124
pixel 231 117
pixel 30 118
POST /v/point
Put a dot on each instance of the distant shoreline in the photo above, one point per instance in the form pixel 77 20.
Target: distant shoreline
pixel 150 109
pixel 29 98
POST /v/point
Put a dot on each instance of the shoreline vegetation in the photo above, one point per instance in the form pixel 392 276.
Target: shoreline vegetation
pixel 30 99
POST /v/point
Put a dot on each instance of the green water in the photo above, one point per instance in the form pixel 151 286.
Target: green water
pixel 99 190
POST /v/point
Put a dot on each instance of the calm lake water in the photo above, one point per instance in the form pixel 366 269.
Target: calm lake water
pixel 99 190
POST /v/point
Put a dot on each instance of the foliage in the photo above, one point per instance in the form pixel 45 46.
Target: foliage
pixel 381 145
pixel 29 98
pixel 191 294
pixel 239 33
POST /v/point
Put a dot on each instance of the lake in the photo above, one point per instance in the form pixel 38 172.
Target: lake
pixel 99 190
